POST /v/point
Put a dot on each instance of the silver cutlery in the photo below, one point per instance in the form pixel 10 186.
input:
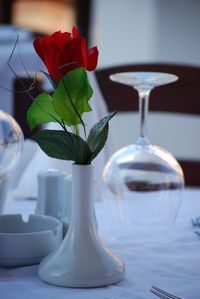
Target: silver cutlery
pixel 196 230
pixel 163 294
pixel 196 225
pixel 196 222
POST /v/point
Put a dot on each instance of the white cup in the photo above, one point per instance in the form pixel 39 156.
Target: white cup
pixel 54 194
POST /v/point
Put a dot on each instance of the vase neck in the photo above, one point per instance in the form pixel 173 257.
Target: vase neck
pixel 82 197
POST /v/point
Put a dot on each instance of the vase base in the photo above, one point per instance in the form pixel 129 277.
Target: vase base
pixel 68 282
pixel 85 271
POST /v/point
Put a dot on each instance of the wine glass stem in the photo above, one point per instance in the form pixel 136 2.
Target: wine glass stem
pixel 143 111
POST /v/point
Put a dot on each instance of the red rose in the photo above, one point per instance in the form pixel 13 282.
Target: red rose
pixel 63 49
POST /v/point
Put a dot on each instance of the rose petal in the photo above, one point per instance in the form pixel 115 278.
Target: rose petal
pixel 75 52
pixel 38 48
pixel 75 32
pixel 49 51
pixel 92 58
pixel 60 37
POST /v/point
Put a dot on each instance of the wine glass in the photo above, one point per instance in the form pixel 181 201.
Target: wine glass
pixel 144 181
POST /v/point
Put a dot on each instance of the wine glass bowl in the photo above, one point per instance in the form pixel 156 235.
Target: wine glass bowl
pixel 142 168
pixel 11 142
pixel 149 79
pixel 145 180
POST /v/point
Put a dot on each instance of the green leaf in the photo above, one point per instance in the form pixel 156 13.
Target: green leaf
pixel 53 82
pixel 74 87
pixel 102 137
pixel 98 135
pixel 42 111
pixel 63 145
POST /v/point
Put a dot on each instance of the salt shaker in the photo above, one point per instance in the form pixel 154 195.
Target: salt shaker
pixel 51 193
pixel 55 196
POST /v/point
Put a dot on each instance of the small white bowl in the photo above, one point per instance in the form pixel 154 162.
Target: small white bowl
pixel 27 242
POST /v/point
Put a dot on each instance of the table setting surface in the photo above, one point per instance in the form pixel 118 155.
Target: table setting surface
pixel 127 236
pixel 173 265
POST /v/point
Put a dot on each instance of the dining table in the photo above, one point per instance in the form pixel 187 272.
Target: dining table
pixel 173 266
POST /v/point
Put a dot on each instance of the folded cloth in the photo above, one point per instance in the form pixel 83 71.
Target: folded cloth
pixel 29 150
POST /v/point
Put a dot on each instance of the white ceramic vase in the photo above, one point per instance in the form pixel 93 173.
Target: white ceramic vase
pixel 82 260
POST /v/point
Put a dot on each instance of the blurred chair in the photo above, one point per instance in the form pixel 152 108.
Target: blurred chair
pixel 182 97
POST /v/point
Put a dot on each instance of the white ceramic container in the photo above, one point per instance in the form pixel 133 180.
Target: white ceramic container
pixel 55 195
pixel 27 242
pixel 50 193
pixel 82 260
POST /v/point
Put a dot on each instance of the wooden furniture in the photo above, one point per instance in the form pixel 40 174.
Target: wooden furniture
pixel 182 96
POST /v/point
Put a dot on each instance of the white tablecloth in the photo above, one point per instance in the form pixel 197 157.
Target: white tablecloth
pixel 174 266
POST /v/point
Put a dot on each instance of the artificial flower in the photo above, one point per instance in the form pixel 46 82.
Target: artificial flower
pixel 63 52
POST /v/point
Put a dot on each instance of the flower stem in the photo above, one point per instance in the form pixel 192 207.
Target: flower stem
pixel 77 130
pixel 74 129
